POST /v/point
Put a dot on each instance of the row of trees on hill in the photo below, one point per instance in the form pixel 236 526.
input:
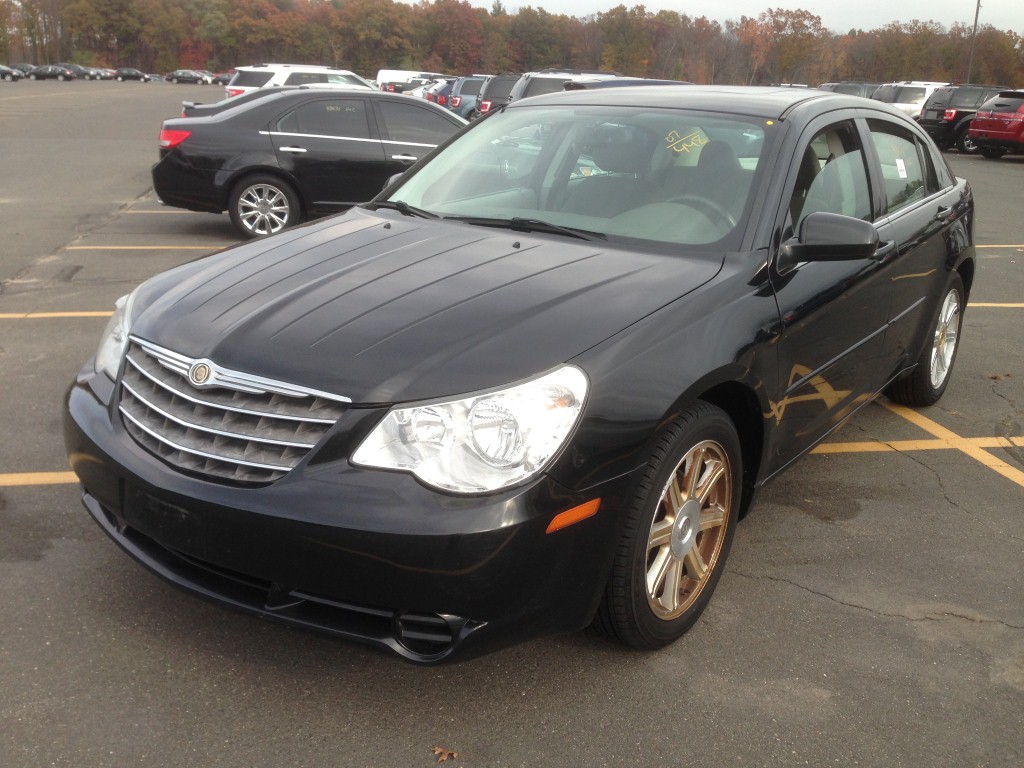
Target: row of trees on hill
pixel 452 36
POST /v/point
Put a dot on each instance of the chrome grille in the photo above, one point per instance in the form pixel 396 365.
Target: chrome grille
pixel 235 427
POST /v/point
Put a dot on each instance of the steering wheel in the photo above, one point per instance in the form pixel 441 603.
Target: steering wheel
pixel 716 212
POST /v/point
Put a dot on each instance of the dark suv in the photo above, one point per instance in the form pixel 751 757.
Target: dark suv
pixel 465 93
pixel 494 93
pixel 947 114
pixel 553 80
pixel 998 127
pixel 850 88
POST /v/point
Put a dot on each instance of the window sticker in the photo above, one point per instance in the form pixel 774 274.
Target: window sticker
pixel 685 143
pixel 901 168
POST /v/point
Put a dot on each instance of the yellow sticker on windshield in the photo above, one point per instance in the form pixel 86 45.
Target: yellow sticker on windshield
pixel 685 143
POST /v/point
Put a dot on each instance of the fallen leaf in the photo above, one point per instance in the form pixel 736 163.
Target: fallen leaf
pixel 443 755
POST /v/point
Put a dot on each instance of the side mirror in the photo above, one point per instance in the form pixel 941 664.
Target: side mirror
pixel 830 237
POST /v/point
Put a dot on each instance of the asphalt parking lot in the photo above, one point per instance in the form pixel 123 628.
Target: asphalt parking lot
pixel 871 613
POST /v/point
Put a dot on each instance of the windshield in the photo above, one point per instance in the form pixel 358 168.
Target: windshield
pixel 657 175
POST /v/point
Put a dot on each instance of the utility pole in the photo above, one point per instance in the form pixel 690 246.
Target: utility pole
pixel 974 36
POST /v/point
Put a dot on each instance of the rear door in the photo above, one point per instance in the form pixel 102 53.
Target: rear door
pixel 923 206
pixel 329 146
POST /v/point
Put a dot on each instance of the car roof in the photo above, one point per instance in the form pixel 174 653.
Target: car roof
pixel 759 101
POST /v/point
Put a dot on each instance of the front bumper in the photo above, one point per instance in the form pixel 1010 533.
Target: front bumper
pixel 364 555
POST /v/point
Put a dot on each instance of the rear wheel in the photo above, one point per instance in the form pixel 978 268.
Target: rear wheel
pixel 262 205
pixel 992 153
pixel 925 385
pixel 965 144
pixel 678 531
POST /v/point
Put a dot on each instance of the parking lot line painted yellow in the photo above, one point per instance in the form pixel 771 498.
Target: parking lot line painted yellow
pixel 999 246
pixel 37 478
pixel 51 315
pixel 902 446
pixel 994 304
pixel 213 247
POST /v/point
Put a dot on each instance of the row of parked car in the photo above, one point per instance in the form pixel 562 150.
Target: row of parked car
pixel 64 72
pixel 973 118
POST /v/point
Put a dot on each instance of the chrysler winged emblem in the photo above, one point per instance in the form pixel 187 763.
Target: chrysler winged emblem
pixel 199 373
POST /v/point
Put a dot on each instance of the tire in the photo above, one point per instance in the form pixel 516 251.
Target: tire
pixel 32 77
pixel 9 78
pixel 174 80
pixel 120 79
pixel 992 153
pixel 262 205
pixel 677 533
pixel 965 145
pixel 61 78
pixel 927 382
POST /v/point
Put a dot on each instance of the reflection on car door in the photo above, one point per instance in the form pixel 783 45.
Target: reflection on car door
pixel 832 342
pixel 920 208
pixel 327 145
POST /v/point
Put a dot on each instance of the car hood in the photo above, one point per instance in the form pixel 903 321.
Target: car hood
pixel 382 308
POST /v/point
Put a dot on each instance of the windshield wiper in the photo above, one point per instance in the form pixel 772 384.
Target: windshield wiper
pixel 529 225
pixel 403 208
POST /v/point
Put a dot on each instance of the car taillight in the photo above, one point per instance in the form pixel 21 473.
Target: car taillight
pixel 950 114
pixel 430 97
pixel 485 105
pixel 234 92
pixel 442 100
pixel 456 100
pixel 170 138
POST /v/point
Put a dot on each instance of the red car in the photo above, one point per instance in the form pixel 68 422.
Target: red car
pixel 998 127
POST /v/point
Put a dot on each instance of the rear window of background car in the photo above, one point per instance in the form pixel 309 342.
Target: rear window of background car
pixel 251 79
pixel 413 124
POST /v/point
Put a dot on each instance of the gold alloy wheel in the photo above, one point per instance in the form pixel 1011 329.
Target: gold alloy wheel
pixel 688 530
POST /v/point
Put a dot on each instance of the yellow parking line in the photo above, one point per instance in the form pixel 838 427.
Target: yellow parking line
pixel 37 478
pixel 902 446
pixel 944 438
pixel 993 304
pixel 999 246
pixel 179 212
pixel 50 315
pixel 145 247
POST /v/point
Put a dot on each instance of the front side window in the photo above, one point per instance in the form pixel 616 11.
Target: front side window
pixel 413 124
pixel 831 177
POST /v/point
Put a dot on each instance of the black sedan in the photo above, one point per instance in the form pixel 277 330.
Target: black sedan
pixel 10 74
pixel 282 157
pixel 51 72
pixel 187 76
pixel 130 73
pixel 536 382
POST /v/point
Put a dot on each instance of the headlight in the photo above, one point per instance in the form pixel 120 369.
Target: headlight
pixel 115 337
pixel 483 442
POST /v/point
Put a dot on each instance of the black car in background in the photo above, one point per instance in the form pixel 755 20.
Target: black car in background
pixel 130 73
pixel 187 76
pixel 51 72
pixel 10 74
pixel 851 88
pixel 535 383
pixel 295 154
pixel 947 114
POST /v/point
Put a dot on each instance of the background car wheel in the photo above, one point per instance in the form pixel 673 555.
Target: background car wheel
pixel 32 77
pixel 262 205
pixel 931 375
pixel 991 153
pixel 174 80
pixel 61 78
pixel 965 144
pixel 677 533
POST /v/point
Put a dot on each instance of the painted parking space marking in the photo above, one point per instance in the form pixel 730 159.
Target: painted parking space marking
pixel 146 247
pixel 37 478
pixel 52 315
pixel 943 439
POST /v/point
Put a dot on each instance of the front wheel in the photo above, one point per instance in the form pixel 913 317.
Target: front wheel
pixel 262 205
pixel 677 533
pixel 927 382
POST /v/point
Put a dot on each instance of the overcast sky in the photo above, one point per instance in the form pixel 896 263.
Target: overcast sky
pixel 840 16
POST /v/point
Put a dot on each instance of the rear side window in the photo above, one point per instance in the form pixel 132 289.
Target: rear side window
pixel 250 79
pixel 941 98
pixel 967 97
pixel 342 118
pixel 1007 101
pixel 305 78
pixel 907 171
pixel 540 85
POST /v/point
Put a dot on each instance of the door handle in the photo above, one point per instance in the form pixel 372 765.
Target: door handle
pixel 884 249
pixel 296 150
pixel 404 158
pixel 945 213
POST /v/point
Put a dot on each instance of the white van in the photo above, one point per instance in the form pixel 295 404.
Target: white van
pixel 265 75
